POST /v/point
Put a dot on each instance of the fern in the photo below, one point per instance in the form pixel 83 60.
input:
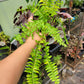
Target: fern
pixel 45 10
pixel 50 67
pixel 33 66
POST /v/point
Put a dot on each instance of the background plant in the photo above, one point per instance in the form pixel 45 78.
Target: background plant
pixel 4 38
pixel 4 41
pixel 30 0
pixel 75 2
pixel 46 11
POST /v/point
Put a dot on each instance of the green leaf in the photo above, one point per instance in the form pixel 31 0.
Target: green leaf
pixel 4 47
pixel 27 1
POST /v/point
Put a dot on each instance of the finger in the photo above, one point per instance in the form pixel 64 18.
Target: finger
pixel 30 18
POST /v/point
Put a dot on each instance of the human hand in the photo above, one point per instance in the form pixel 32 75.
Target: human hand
pixel 36 36
pixel 30 18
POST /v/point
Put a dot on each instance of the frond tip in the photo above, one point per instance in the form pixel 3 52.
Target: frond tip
pixel 33 66
pixel 50 67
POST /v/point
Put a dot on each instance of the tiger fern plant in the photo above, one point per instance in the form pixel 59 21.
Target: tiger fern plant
pixel 46 13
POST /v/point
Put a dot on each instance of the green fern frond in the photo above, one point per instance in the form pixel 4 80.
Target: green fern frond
pixel 50 67
pixel 32 67
pixel 47 28
pixel 45 10
pixel 66 41
pixel 54 32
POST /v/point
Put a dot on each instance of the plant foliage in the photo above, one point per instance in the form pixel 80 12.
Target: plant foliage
pixel 4 40
pixel 4 37
pixel 30 0
pixel 75 2
pixel 46 10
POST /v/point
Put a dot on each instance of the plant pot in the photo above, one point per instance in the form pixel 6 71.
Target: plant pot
pixel 54 47
pixel 14 44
